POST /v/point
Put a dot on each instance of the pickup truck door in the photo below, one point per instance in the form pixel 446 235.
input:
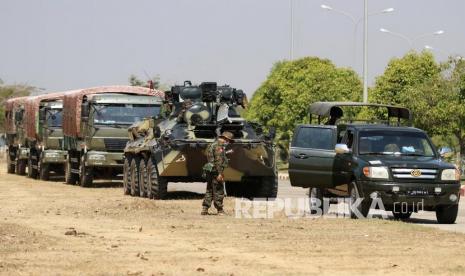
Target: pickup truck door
pixel 311 160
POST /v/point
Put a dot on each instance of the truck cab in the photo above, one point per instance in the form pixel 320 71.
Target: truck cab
pixel 395 164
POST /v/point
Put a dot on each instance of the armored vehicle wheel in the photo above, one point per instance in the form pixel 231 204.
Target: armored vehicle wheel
pixel 44 171
pixel 363 206
pixel 142 178
pixel 10 168
pixel 70 178
pixel 401 215
pixel 316 196
pixel 158 185
pixel 85 173
pixel 134 180
pixel 21 166
pixel 127 175
pixel 267 187
pixel 231 188
pixel 447 214
pixel 31 172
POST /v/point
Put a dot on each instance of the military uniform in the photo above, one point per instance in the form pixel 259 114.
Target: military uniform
pixel 217 162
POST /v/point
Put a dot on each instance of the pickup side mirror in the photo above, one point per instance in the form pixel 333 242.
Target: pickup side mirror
pixel 85 111
pixel 341 149
pixel 42 115
pixel 445 152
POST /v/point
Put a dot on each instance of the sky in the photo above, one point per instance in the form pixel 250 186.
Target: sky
pixel 60 45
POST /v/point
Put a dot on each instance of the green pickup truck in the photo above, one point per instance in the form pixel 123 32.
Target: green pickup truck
pixel 372 160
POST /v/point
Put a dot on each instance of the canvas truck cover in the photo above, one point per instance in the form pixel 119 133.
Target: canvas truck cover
pixel 32 112
pixel 10 106
pixel 73 100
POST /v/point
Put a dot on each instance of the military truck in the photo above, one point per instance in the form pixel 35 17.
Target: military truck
pixel 172 148
pixel 382 159
pixel 44 135
pixel 17 152
pixel 95 128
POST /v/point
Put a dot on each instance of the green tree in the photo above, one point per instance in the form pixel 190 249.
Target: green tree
pixel 135 81
pixel 283 99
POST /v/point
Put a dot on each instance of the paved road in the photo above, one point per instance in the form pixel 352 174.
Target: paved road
pixel 287 191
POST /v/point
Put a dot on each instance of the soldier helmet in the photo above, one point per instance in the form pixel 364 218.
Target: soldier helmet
pixel 228 136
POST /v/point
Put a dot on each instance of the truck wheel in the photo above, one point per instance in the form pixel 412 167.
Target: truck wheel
pixel 31 172
pixel 44 171
pixel 134 180
pixel 10 168
pixel 402 215
pixel 127 175
pixel 21 166
pixel 142 178
pixel 316 196
pixel 231 188
pixel 86 174
pixel 267 187
pixel 447 214
pixel 70 177
pixel 158 185
pixel 363 208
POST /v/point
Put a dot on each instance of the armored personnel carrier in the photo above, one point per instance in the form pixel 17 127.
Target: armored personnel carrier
pixel 172 147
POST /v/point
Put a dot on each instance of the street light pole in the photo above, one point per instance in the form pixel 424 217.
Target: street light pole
pixel 409 40
pixel 291 49
pixel 365 55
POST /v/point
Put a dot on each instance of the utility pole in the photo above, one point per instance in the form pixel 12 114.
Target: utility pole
pixel 291 46
pixel 365 55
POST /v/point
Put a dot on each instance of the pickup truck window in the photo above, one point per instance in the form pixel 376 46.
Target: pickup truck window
pixel 314 138
pixel 394 142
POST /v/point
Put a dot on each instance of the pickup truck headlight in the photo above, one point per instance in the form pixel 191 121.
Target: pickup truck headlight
pixel 376 172
pixel 450 175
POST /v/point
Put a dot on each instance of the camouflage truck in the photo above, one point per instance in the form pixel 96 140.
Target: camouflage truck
pixel 172 148
pixel 44 135
pixel 17 151
pixel 95 128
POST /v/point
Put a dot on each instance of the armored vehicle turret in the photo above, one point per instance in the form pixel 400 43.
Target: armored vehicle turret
pixel 172 147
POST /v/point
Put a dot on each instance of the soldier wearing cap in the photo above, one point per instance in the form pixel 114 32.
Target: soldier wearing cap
pixel 213 170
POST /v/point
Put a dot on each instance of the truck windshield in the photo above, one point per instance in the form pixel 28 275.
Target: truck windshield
pixel 123 114
pixel 395 143
pixel 54 118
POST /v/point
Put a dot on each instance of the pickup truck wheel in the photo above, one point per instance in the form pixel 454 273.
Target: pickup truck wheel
pixel 401 215
pixel 142 178
pixel 447 214
pixel 157 184
pixel 317 200
pixel 70 178
pixel 86 174
pixel 21 166
pixel 134 180
pixel 267 187
pixel 363 207
pixel 10 167
pixel 44 171
pixel 127 175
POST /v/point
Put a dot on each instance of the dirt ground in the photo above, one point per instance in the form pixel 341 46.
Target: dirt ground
pixel 49 228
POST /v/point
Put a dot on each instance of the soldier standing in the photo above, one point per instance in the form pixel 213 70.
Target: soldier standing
pixel 217 162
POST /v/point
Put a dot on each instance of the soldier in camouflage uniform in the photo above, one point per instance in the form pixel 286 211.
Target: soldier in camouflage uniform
pixel 217 162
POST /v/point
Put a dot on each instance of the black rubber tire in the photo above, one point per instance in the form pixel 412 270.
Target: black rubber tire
pixel 86 175
pixel 363 207
pixel 447 214
pixel 31 172
pixel 44 171
pixel 134 180
pixel 142 178
pixel 70 178
pixel 267 187
pixel 158 184
pixel 126 175
pixel 317 193
pixel 10 168
pixel 401 216
pixel 231 188
pixel 21 166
